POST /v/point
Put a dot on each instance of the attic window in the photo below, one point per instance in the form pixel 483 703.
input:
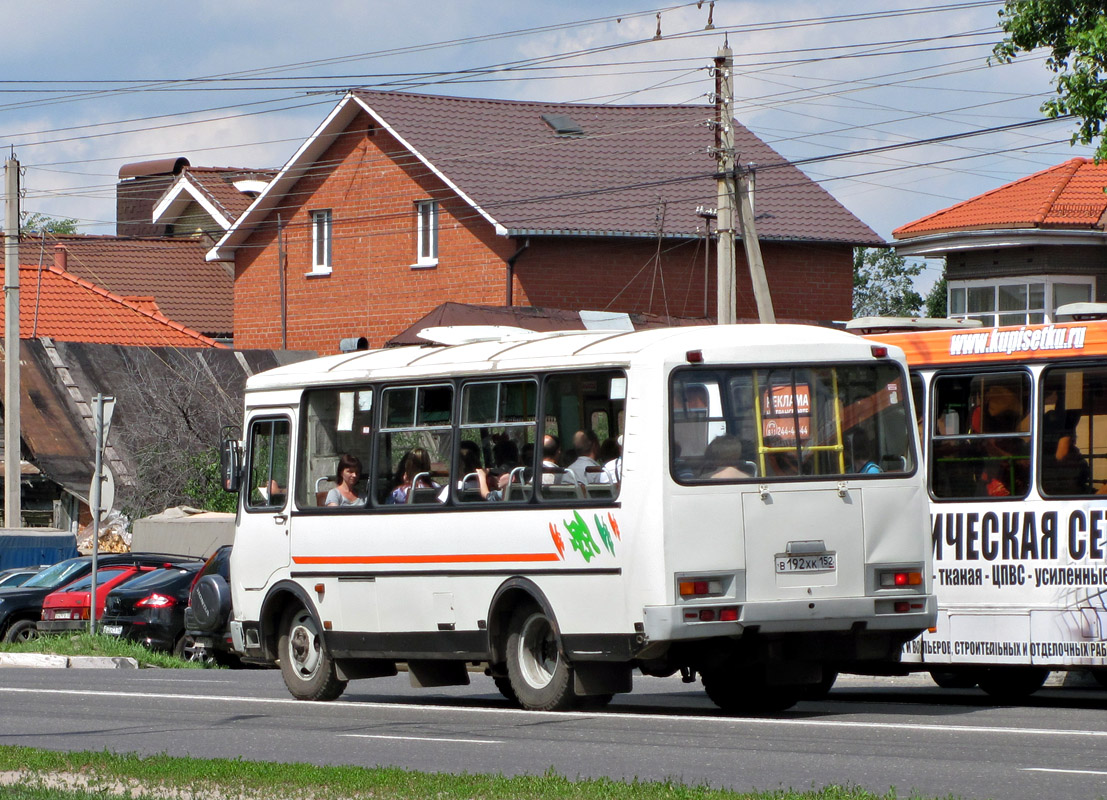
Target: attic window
pixel 563 125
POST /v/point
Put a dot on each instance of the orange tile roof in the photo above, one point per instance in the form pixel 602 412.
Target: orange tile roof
pixel 188 288
pixel 67 308
pixel 1069 195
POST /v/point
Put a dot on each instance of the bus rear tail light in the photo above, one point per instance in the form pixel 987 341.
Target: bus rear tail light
pixel 701 588
pixel 880 351
pixel 892 579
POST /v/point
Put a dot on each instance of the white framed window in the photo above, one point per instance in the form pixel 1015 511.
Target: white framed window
pixel 321 226
pixel 426 213
pixel 1016 301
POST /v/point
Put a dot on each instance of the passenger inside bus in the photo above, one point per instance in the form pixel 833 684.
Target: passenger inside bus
pixel 586 468
pixel 1002 411
pixel 722 460
pixel 862 455
pixel 413 472
pixel 348 476
pixel 1065 470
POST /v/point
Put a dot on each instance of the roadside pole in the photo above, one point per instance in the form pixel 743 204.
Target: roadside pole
pixel 102 411
pixel 13 503
pixel 726 307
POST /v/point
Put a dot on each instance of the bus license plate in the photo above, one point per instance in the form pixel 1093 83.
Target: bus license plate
pixel 821 562
pixel 112 630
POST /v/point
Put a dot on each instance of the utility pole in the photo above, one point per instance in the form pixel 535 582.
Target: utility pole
pixel 744 179
pixel 12 438
pixel 726 308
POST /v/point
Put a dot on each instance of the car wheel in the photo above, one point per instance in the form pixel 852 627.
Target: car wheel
pixel 23 630
pixel 540 676
pixel 187 650
pixel 306 666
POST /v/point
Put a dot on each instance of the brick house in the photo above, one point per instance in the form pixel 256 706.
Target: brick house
pixel 400 202
pixel 1016 253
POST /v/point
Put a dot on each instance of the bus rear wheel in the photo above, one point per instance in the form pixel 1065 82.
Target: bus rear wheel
pixel 953 678
pixel 1012 683
pixel 744 690
pixel 541 678
pixel 306 666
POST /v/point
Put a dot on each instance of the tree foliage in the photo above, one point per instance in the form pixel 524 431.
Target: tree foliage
pixel 937 303
pixel 883 284
pixel 35 223
pixel 1075 32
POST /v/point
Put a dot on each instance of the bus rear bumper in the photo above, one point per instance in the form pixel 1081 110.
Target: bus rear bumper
pixel 673 623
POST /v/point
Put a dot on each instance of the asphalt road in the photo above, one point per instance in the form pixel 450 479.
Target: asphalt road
pixel 876 733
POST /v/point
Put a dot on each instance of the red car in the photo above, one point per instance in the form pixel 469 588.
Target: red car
pixel 68 608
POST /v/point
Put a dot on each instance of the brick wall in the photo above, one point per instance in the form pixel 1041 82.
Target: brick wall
pixel 373 290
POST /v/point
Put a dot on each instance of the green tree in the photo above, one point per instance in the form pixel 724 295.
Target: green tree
pixel 883 284
pixel 204 483
pixel 1075 32
pixel 35 223
pixel 936 301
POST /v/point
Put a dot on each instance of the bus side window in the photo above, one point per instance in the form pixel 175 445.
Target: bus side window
pixel 497 433
pixel 1072 423
pixel 336 422
pixel 267 455
pixel 572 402
pixel 414 446
pixel 981 440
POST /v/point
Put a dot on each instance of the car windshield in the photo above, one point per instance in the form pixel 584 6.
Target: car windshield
pixel 102 576
pixel 159 578
pixel 57 575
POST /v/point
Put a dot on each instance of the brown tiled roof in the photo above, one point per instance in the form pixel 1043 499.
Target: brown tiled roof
pixel 607 180
pixel 65 307
pixel 187 288
pixel 217 185
pixel 1067 196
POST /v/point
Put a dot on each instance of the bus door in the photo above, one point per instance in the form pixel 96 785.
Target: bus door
pixel 265 497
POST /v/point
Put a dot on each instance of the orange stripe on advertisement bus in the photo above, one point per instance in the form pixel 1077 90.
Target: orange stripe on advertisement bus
pixel 993 345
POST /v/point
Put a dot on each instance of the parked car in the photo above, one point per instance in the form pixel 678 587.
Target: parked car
pixel 69 608
pixel 149 609
pixel 207 618
pixel 21 606
pixel 17 576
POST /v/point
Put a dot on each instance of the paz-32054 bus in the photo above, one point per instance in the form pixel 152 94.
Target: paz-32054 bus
pixel 737 502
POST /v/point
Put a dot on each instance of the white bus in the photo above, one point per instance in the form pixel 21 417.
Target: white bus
pixel 762 526
pixel 1015 433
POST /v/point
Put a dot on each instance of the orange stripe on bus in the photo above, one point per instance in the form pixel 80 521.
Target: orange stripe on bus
pixel 474 558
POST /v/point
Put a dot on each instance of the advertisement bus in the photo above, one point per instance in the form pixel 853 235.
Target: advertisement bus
pixel 762 526
pixel 1014 430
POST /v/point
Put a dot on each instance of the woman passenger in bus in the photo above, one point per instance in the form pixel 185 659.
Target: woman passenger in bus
pixel 347 476
pixel 414 463
pixel 1065 471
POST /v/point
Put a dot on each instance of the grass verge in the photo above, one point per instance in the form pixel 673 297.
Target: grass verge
pixel 47 775
pixel 86 644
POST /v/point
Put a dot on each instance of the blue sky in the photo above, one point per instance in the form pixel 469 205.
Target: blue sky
pixel 103 84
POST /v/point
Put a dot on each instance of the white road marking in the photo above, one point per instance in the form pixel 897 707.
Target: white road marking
pixel 1066 771
pixel 904 727
pixel 418 738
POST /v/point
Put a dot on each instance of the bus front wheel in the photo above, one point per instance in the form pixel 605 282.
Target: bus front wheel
pixel 306 666
pixel 541 678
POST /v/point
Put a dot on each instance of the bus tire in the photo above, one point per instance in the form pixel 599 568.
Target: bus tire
pixel 539 673
pixel 819 691
pixel 504 685
pixel 953 678
pixel 1012 683
pixel 306 666
pixel 745 691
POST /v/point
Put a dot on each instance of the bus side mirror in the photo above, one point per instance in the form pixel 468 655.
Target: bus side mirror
pixel 230 465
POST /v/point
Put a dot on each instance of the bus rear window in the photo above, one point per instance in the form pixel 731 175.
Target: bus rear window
pixel 789 422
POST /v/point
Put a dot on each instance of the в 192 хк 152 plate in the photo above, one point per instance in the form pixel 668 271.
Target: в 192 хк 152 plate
pixel 819 562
